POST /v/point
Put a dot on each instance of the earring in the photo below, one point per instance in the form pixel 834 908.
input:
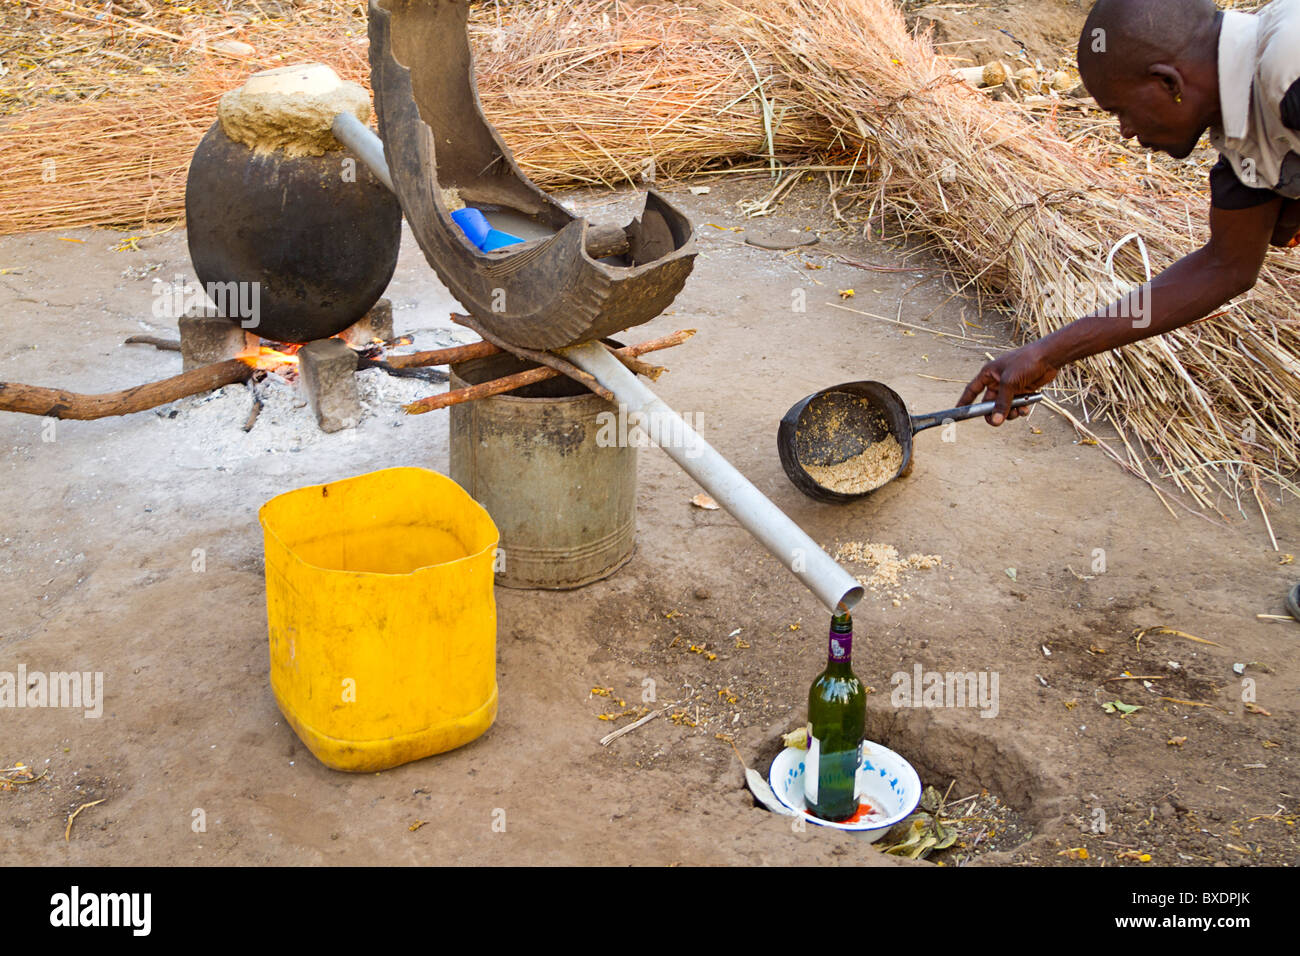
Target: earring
pixel 1178 97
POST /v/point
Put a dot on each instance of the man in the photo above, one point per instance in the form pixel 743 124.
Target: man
pixel 1169 70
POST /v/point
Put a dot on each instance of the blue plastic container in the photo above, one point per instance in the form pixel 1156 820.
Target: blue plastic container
pixel 480 232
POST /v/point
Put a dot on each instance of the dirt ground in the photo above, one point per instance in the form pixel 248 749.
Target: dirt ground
pixel 97 575
pixel 1053 560
pixel 1023 31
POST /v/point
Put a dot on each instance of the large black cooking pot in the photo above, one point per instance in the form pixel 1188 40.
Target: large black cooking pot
pixel 317 234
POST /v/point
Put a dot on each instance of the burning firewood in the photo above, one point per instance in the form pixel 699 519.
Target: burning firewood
pixel 59 403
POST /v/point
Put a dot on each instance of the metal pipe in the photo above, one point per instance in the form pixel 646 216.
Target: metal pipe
pixel 765 521
pixel 356 136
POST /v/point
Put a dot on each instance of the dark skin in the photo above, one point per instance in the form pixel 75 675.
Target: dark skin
pixel 1167 107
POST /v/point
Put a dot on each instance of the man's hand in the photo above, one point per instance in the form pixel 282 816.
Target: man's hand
pixel 1016 373
pixel 1192 287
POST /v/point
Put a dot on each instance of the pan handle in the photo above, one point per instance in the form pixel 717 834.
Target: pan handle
pixel 922 422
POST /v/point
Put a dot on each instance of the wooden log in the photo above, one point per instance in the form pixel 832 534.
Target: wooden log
pixel 401 371
pixel 990 74
pixel 166 345
pixel 484 390
pixel 605 241
pixel 1028 80
pixel 253 412
pixel 651 372
pixel 485 349
pixel 447 356
pixel 542 358
pixel 57 403
pixel 1062 82
pixel 511 382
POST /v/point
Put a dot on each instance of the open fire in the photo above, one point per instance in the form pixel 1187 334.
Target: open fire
pixel 282 358
pixel 271 359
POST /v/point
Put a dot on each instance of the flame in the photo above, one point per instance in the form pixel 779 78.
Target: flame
pixel 268 358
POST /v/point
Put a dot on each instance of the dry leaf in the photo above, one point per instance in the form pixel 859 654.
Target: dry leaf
pixel 798 738
pixel 67 833
pixel 1117 706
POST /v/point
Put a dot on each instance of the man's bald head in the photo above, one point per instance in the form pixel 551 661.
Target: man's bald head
pixel 1125 37
pixel 1154 65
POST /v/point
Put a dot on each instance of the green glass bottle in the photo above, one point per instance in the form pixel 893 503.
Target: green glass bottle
pixel 837 708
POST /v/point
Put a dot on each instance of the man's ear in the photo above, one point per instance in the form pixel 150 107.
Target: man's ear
pixel 1170 78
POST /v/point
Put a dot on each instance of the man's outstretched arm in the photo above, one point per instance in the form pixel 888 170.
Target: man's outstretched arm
pixel 1191 288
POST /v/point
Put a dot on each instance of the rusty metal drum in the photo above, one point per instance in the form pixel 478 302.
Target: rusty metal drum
pixel 548 464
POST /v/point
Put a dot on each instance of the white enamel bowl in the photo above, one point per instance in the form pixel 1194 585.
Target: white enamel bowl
pixel 885 780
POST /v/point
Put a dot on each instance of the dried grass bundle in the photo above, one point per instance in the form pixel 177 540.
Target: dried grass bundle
pixel 120 155
pixel 656 93
pixel 609 92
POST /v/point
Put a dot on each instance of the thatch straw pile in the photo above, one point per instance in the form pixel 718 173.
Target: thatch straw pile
pixel 1025 217
pixel 119 151
pixel 580 103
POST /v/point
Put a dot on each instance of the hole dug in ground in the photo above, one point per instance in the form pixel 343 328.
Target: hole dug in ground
pixel 999 798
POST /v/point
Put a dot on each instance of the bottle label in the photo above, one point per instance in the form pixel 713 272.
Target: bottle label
pixel 852 764
pixel 858 774
pixel 841 647
pixel 812 768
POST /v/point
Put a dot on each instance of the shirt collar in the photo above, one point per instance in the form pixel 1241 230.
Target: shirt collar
pixel 1238 58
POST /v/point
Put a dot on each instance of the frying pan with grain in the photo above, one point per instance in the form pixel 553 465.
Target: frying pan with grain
pixel 843 421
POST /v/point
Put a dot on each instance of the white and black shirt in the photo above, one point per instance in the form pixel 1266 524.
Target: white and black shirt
pixel 1259 93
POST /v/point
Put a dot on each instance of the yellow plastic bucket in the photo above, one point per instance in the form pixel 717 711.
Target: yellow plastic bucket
pixel 381 615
